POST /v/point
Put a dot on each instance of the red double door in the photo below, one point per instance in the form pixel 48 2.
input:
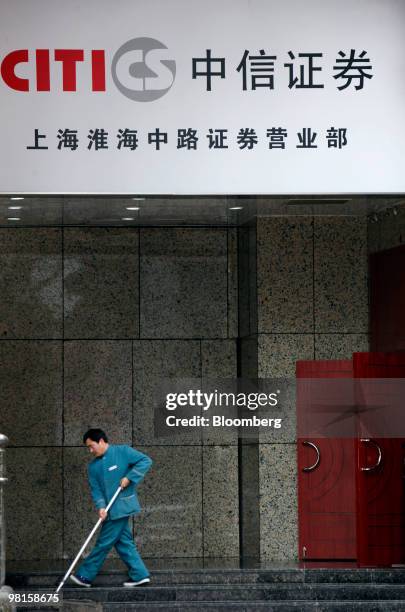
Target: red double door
pixel 351 494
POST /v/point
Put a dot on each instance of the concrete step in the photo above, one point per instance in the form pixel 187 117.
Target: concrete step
pixel 227 576
pixel 248 593
pixel 223 606
pixel 240 606
pixel 236 590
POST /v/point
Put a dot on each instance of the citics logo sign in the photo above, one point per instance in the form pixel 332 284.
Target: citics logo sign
pixel 141 69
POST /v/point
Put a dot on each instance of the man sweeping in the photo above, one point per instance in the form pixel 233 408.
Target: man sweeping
pixel 114 466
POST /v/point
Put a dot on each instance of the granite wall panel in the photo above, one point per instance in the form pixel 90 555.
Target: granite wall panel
pixel 155 361
pixel 34 503
pixel 98 389
pixel 278 502
pixel 285 275
pixel 340 267
pixel 184 284
pixel 31 283
pixel 171 524
pixel 220 501
pixel 31 383
pixel 101 283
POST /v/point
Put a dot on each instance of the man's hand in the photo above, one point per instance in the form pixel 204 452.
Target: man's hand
pixel 102 513
pixel 124 482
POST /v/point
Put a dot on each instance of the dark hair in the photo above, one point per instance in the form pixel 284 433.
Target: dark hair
pixel 95 435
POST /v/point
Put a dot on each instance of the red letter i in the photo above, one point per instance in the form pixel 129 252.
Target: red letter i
pixel 98 70
pixel 43 72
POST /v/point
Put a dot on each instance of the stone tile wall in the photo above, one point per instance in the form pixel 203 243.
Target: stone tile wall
pixel 90 321
pixel 312 304
pixel 387 229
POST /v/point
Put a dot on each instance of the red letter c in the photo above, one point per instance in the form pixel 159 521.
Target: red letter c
pixel 8 66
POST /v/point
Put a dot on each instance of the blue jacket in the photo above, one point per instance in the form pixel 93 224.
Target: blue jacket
pixel 105 473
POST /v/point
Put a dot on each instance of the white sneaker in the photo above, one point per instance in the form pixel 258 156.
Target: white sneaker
pixel 134 583
pixel 83 582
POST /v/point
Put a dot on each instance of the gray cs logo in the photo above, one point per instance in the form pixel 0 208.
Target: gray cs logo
pixel 140 72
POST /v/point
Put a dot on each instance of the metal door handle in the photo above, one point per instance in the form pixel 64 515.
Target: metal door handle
pixel 372 467
pixel 311 468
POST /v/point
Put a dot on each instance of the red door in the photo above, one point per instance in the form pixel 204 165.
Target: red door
pixel 380 475
pixel 326 479
pixel 387 300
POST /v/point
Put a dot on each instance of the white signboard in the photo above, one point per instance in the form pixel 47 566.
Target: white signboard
pixel 202 97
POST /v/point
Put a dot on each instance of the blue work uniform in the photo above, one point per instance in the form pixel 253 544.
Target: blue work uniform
pixel 105 473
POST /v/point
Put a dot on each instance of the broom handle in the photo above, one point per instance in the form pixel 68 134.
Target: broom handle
pixel 93 531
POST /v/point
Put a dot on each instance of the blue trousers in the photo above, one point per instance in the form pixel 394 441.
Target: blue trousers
pixel 114 533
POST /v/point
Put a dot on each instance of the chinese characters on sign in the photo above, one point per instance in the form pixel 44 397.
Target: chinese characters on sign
pixel 258 70
pixel 247 138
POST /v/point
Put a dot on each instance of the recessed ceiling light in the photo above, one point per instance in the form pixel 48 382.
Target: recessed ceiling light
pixel 132 207
pixel 236 208
pixel 13 218
pixel 15 199
pixel 14 207
pixel 139 199
pixel 127 219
